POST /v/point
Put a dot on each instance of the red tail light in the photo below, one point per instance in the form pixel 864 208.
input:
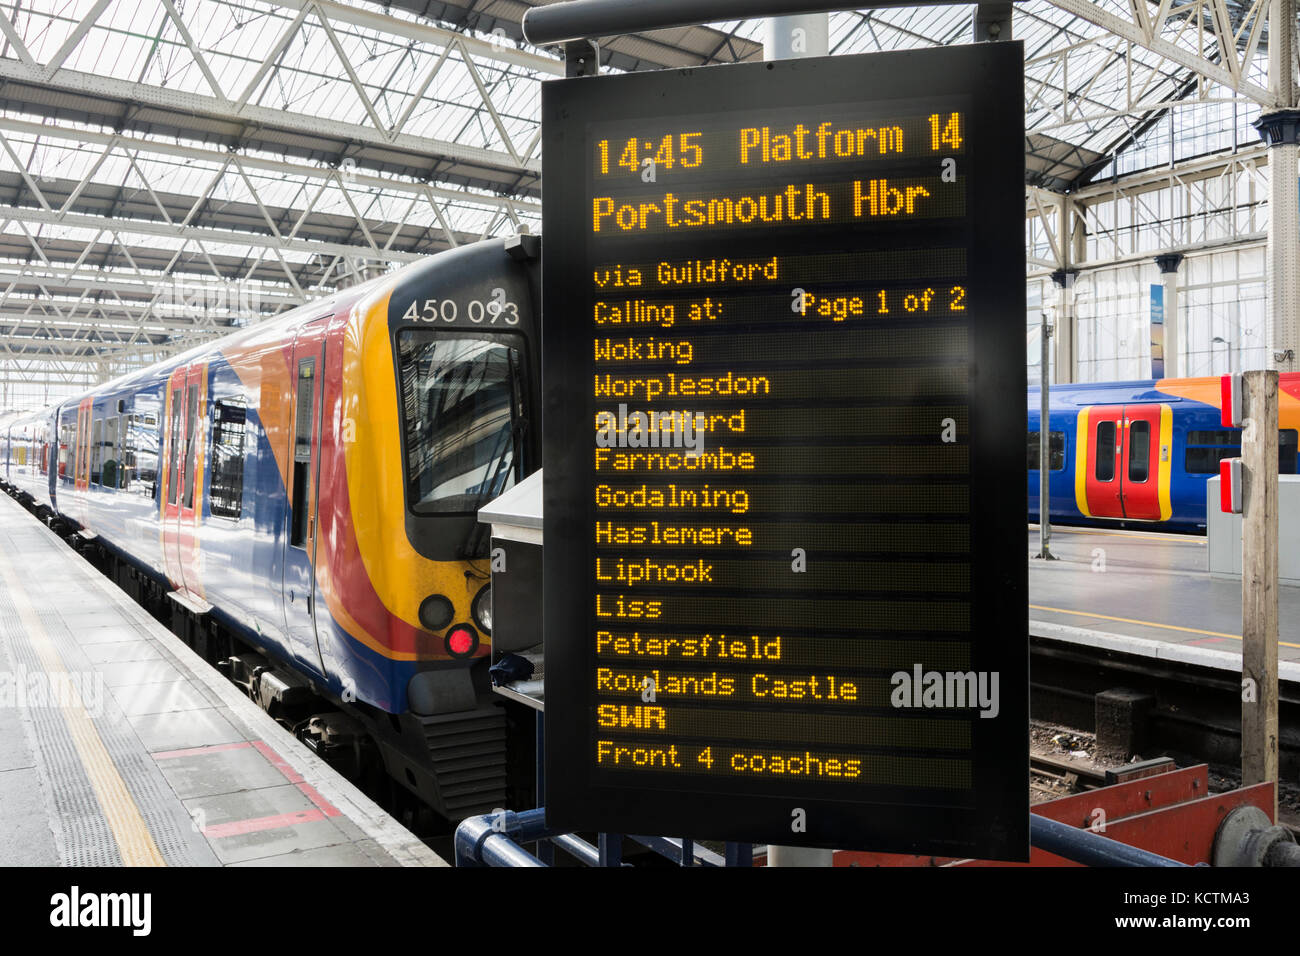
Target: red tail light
pixel 461 641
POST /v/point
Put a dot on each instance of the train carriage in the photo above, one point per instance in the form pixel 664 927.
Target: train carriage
pixel 1140 453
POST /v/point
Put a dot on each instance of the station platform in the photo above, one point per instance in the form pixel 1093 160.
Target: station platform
pixel 120 746
pixel 1147 593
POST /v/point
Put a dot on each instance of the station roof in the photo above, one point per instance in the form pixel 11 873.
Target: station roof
pixel 168 169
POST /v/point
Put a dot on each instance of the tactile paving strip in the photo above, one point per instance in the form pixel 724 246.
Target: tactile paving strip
pixel 82 833
pixel 143 779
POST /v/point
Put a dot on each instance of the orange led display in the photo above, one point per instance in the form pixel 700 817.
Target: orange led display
pixel 784 379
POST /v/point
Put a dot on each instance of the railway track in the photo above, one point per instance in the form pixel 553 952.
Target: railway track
pixel 1065 773
pixel 1194 712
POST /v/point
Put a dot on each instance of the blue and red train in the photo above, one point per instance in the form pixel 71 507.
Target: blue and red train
pixel 302 496
pixel 1140 453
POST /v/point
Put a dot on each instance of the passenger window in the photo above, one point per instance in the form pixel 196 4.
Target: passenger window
pixel 82 472
pixel 83 443
pixel 173 485
pixel 1287 440
pixel 145 441
pixel 1055 451
pixel 1207 447
pixel 1217 436
pixel 123 446
pixel 140 452
pixel 1105 451
pixel 87 437
pixel 1139 451
pixel 191 442
pixel 226 487
pixel 110 469
pixel 96 451
pixel 304 414
pixel 67 441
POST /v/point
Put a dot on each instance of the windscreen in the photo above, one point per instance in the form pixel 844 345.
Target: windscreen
pixel 461 414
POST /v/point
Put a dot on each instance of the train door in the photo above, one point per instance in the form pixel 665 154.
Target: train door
pixel 172 480
pixel 190 505
pixel 300 591
pixel 1123 466
pixel 1099 479
pixel 81 473
pixel 1142 460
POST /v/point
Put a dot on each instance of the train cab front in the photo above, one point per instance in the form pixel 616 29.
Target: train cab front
pixel 444 404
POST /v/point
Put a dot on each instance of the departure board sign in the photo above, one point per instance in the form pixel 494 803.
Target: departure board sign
pixel 783 368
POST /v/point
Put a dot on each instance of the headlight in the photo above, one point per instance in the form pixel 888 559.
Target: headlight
pixel 482 608
pixel 436 612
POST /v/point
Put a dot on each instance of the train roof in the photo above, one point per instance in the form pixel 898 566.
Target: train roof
pixel 1102 393
pixel 286 320
pixel 1134 390
pixel 1203 390
pixel 317 308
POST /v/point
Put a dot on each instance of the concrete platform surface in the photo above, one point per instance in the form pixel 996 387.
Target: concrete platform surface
pixel 1146 590
pixel 120 746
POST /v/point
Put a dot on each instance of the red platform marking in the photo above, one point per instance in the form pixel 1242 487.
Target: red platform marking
pixel 323 808
pixel 197 751
pixel 278 762
pixel 1206 640
pixel 295 778
pixel 256 824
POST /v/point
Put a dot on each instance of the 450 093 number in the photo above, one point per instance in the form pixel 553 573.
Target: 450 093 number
pixel 496 309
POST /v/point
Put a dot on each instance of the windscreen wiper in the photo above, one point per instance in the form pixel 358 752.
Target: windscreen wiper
pixel 488 490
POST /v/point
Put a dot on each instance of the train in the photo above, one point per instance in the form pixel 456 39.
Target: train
pixel 299 500
pixel 1139 453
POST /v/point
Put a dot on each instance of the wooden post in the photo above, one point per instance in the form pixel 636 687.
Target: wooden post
pixel 1259 581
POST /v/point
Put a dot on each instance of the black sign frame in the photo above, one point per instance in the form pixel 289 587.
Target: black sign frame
pixel 988 80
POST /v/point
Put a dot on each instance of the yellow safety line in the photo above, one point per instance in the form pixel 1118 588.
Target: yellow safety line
pixel 1134 535
pixel 134 842
pixel 1129 620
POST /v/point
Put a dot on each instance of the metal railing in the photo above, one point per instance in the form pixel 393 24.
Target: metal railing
pixel 495 839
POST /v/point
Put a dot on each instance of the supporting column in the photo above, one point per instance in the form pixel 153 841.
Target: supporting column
pixel 1175 367
pixel 1259 609
pixel 1045 442
pixel 1281 130
pixel 1067 325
